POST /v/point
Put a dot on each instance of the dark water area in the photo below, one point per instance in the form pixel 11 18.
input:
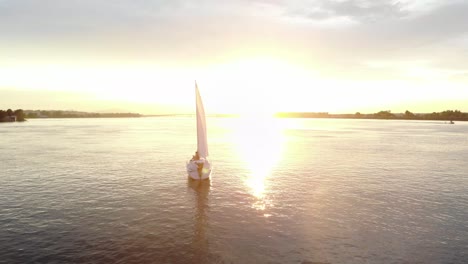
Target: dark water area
pixel 282 191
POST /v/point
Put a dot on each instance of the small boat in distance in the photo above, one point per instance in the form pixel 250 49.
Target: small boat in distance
pixel 199 167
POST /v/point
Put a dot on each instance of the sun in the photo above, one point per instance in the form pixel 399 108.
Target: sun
pixel 258 85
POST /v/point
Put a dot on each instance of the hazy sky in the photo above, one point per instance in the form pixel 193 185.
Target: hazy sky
pixel 277 55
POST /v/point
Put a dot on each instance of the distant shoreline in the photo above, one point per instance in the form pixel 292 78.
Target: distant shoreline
pixel 90 116
pixel 22 115
pixel 33 114
pixel 9 116
pixel 449 115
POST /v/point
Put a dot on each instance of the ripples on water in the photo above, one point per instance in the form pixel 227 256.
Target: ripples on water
pixel 283 191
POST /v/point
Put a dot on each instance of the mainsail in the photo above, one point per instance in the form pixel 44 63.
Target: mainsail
pixel 202 142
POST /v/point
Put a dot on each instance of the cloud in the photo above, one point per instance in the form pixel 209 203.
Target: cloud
pixel 435 35
pixel 56 17
pixel 359 10
pixel 51 17
pixel 190 33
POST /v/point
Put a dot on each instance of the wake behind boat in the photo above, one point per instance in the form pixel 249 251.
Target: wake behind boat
pixel 199 167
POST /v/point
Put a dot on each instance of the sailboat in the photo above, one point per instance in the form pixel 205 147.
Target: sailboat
pixel 199 167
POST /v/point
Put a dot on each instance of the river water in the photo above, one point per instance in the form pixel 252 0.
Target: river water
pixel 282 191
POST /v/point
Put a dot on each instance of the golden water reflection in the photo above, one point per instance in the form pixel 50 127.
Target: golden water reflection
pixel 260 144
pixel 200 243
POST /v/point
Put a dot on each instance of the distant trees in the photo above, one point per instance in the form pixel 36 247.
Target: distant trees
pixel 454 115
pixel 21 115
pixel 17 114
pixel 451 115
pixel 384 115
pixel 74 114
pixel 409 115
pixel 447 115
pixel 31 115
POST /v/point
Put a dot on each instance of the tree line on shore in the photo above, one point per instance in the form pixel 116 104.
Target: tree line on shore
pixel 448 115
pixel 10 115
pixel 21 115
pixel 74 114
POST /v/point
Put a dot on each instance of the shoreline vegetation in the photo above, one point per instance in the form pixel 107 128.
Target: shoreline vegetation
pixel 448 115
pixel 12 116
pixel 21 115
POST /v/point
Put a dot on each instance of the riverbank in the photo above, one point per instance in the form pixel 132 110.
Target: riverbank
pixel 448 115
pixel 74 114
pixel 21 115
pixel 12 116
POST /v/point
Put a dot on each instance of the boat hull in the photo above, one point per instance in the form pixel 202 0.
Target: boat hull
pixel 194 172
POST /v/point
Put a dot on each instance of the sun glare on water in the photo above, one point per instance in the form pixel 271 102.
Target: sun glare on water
pixel 260 146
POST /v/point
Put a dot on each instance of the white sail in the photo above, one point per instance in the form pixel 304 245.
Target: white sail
pixel 202 142
pixel 200 168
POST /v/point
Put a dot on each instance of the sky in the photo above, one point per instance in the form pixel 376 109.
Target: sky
pixel 262 56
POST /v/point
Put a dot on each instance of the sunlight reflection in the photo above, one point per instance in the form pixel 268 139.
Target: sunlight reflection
pixel 260 145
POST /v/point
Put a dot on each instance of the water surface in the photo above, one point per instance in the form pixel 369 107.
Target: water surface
pixel 283 191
